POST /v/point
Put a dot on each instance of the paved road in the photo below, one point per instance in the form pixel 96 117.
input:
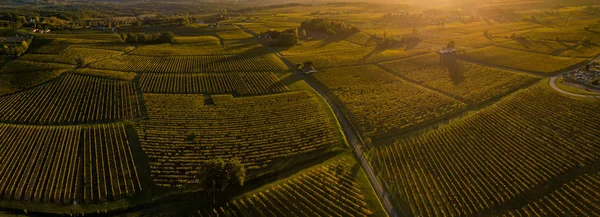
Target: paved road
pixel 348 129
pixel 555 87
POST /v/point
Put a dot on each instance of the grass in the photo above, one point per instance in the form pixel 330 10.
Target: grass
pixel 522 60
pixel 318 46
pixel 71 55
pixel 177 49
pixel 233 35
pixel 204 40
pixel 357 56
pixel 12 82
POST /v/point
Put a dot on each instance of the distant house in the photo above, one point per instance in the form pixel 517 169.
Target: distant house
pixel 447 51
pixel 309 69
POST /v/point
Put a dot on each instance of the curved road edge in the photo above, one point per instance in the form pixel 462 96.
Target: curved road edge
pixel 347 128
pixel 556 88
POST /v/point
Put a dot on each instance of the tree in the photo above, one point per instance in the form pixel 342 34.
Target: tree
pixel 304 35
pixel 166 37
pixel 451 44
pixel 80 62
pixel 220 174
pixel 585 28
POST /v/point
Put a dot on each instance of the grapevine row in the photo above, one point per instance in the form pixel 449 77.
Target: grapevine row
pixel 326 190
pixel 487 159
pixel 243 83
pixel 72 99
pixel 580 197
pixel 182 131
pixel 61 164
pixel 381 102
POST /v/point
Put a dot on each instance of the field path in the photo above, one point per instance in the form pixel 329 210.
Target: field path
pixel 555 87
pixel 348 129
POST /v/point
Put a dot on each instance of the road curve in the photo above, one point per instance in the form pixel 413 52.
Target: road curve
pixel 347 128
pixel 556 88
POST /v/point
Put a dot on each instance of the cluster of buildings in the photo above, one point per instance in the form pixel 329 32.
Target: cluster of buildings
pixel 36 30
pixel 589 75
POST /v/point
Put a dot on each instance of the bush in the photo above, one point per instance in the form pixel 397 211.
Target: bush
pixel 221 173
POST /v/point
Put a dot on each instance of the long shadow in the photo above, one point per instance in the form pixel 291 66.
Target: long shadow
pixel 334 39
pixel 524 42
pixel 542 190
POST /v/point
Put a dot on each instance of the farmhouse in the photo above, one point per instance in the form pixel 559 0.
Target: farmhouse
pixel 447 51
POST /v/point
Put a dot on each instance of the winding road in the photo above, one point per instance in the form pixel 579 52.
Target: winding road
pixel 347 128
pixel 556 88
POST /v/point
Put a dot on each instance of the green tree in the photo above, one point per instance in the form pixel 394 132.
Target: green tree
pixel 220 174
pixel 585 28
pixel 80 62
pixel 166 37
pixel 303 35
pixel 451 44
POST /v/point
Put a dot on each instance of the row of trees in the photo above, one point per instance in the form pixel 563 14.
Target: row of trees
pixel 16 49
pixel 285 38
pixel 329 27
pixel 406 41
pixel 156 38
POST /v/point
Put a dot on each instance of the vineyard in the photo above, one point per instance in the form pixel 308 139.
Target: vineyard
pixel 192 64
pixel 324 190
pixel 521 60
pixel 382 103
pixel 480 163
pixel 182 131
pixel 72 99
pixel 242 83
pixel 46 164
pixel 577 198
pixel 71 55
pixel 475 83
